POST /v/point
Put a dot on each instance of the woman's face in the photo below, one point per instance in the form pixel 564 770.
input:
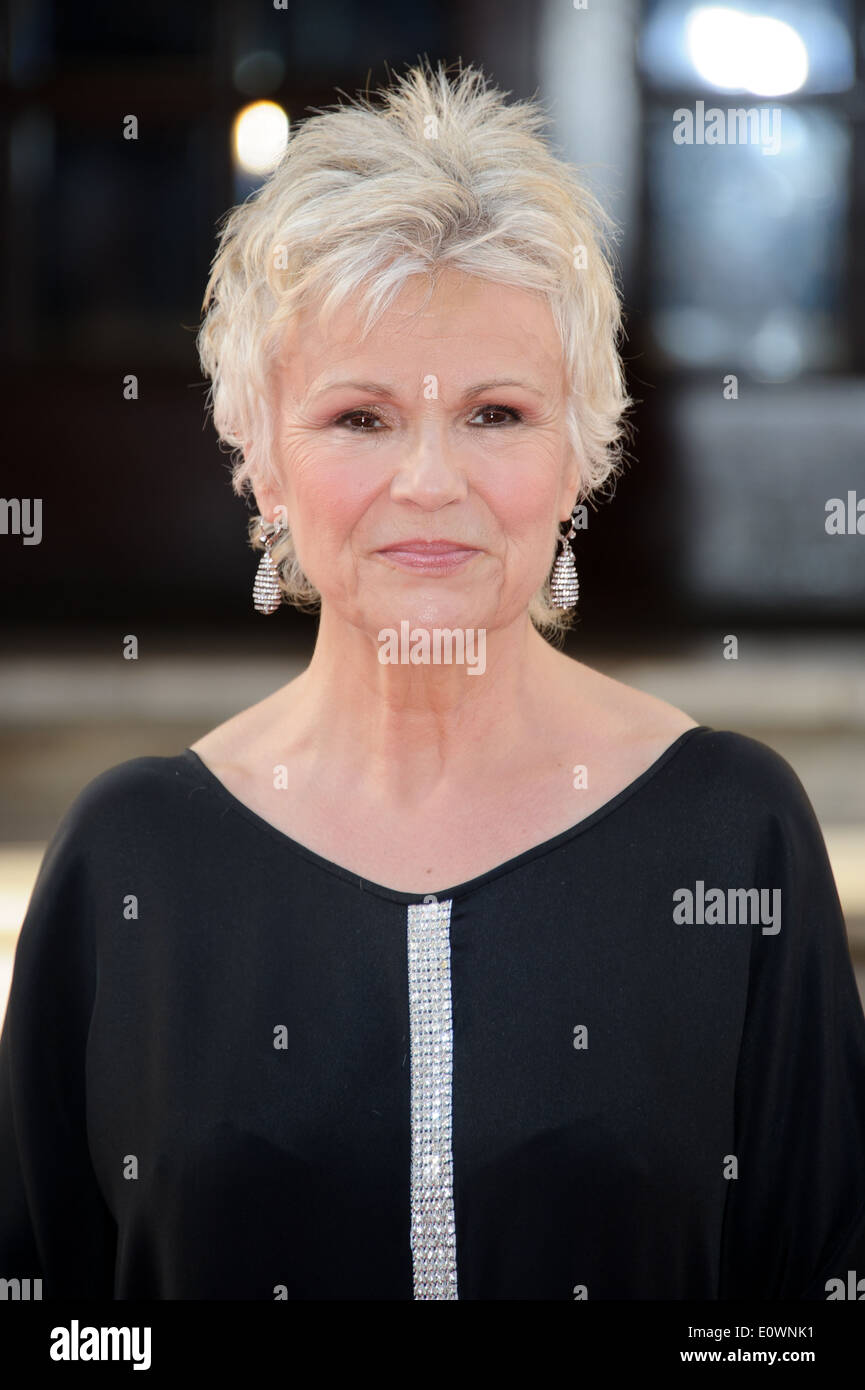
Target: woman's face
pixel 442 427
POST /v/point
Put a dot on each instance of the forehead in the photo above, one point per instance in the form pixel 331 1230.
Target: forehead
pixel 462 323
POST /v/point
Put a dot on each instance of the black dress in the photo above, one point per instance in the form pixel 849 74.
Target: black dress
pixel 605 1069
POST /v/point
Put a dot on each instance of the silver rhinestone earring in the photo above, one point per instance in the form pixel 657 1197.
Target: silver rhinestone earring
pixel 266 593
pixel 564 584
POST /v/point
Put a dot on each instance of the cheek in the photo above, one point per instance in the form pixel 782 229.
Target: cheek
pixel 526 493
pixel 326 497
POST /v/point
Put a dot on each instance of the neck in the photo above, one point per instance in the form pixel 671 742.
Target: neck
pixel 411 728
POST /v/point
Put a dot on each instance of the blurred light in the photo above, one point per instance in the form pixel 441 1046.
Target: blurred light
pixel 260 136
pixel 19 864
pixel 776 349
pixel 777 60
pixel 741 52
pixel 716 37
pixel 828 40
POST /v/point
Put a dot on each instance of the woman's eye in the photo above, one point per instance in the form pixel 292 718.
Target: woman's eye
pixel 351 418
pixel 365 421
pixel 507 411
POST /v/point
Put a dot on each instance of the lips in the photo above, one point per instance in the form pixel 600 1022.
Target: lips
pixel 420 547
pixel 429 557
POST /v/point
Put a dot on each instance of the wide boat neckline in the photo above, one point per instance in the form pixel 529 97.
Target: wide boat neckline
pixel 459 890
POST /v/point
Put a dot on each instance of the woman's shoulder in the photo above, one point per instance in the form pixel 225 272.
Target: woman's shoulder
pixel 143 774
pixel 162 790
pixel 120 797
pixel 726 760
pixel 720 762
pixel 107 829
pixel 244 737
pixel 151 779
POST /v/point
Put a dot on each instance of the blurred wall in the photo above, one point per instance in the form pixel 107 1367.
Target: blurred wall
pixel 742 274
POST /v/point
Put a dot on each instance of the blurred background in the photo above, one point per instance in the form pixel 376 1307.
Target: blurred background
pixel 128 132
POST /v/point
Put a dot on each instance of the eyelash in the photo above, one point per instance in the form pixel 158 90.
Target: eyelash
pixel 516 416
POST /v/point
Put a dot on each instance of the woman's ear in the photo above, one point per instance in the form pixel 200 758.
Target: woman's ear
pixel 270 507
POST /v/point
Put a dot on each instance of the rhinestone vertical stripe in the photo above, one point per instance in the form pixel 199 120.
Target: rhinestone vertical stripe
pixel 433 1230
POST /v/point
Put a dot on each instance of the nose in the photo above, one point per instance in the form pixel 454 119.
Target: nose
pixel 430 473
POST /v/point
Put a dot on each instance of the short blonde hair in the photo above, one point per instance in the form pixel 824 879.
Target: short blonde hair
pixel 441 174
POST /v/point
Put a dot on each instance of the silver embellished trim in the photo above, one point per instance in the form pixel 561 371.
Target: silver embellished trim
pixel 433 1229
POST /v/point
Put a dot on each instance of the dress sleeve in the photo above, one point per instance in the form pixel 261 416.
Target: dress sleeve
pixel 54 1222
pixel 795 1214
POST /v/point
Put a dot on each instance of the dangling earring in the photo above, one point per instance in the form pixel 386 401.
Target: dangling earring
pixel 266 593
pixel 564 584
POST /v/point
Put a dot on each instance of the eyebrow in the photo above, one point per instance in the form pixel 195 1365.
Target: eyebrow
pixel 376 388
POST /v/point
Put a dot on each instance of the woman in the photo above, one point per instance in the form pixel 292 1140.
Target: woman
pixel 453 968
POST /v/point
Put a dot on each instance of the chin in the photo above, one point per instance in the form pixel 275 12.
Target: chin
pixel 424 616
